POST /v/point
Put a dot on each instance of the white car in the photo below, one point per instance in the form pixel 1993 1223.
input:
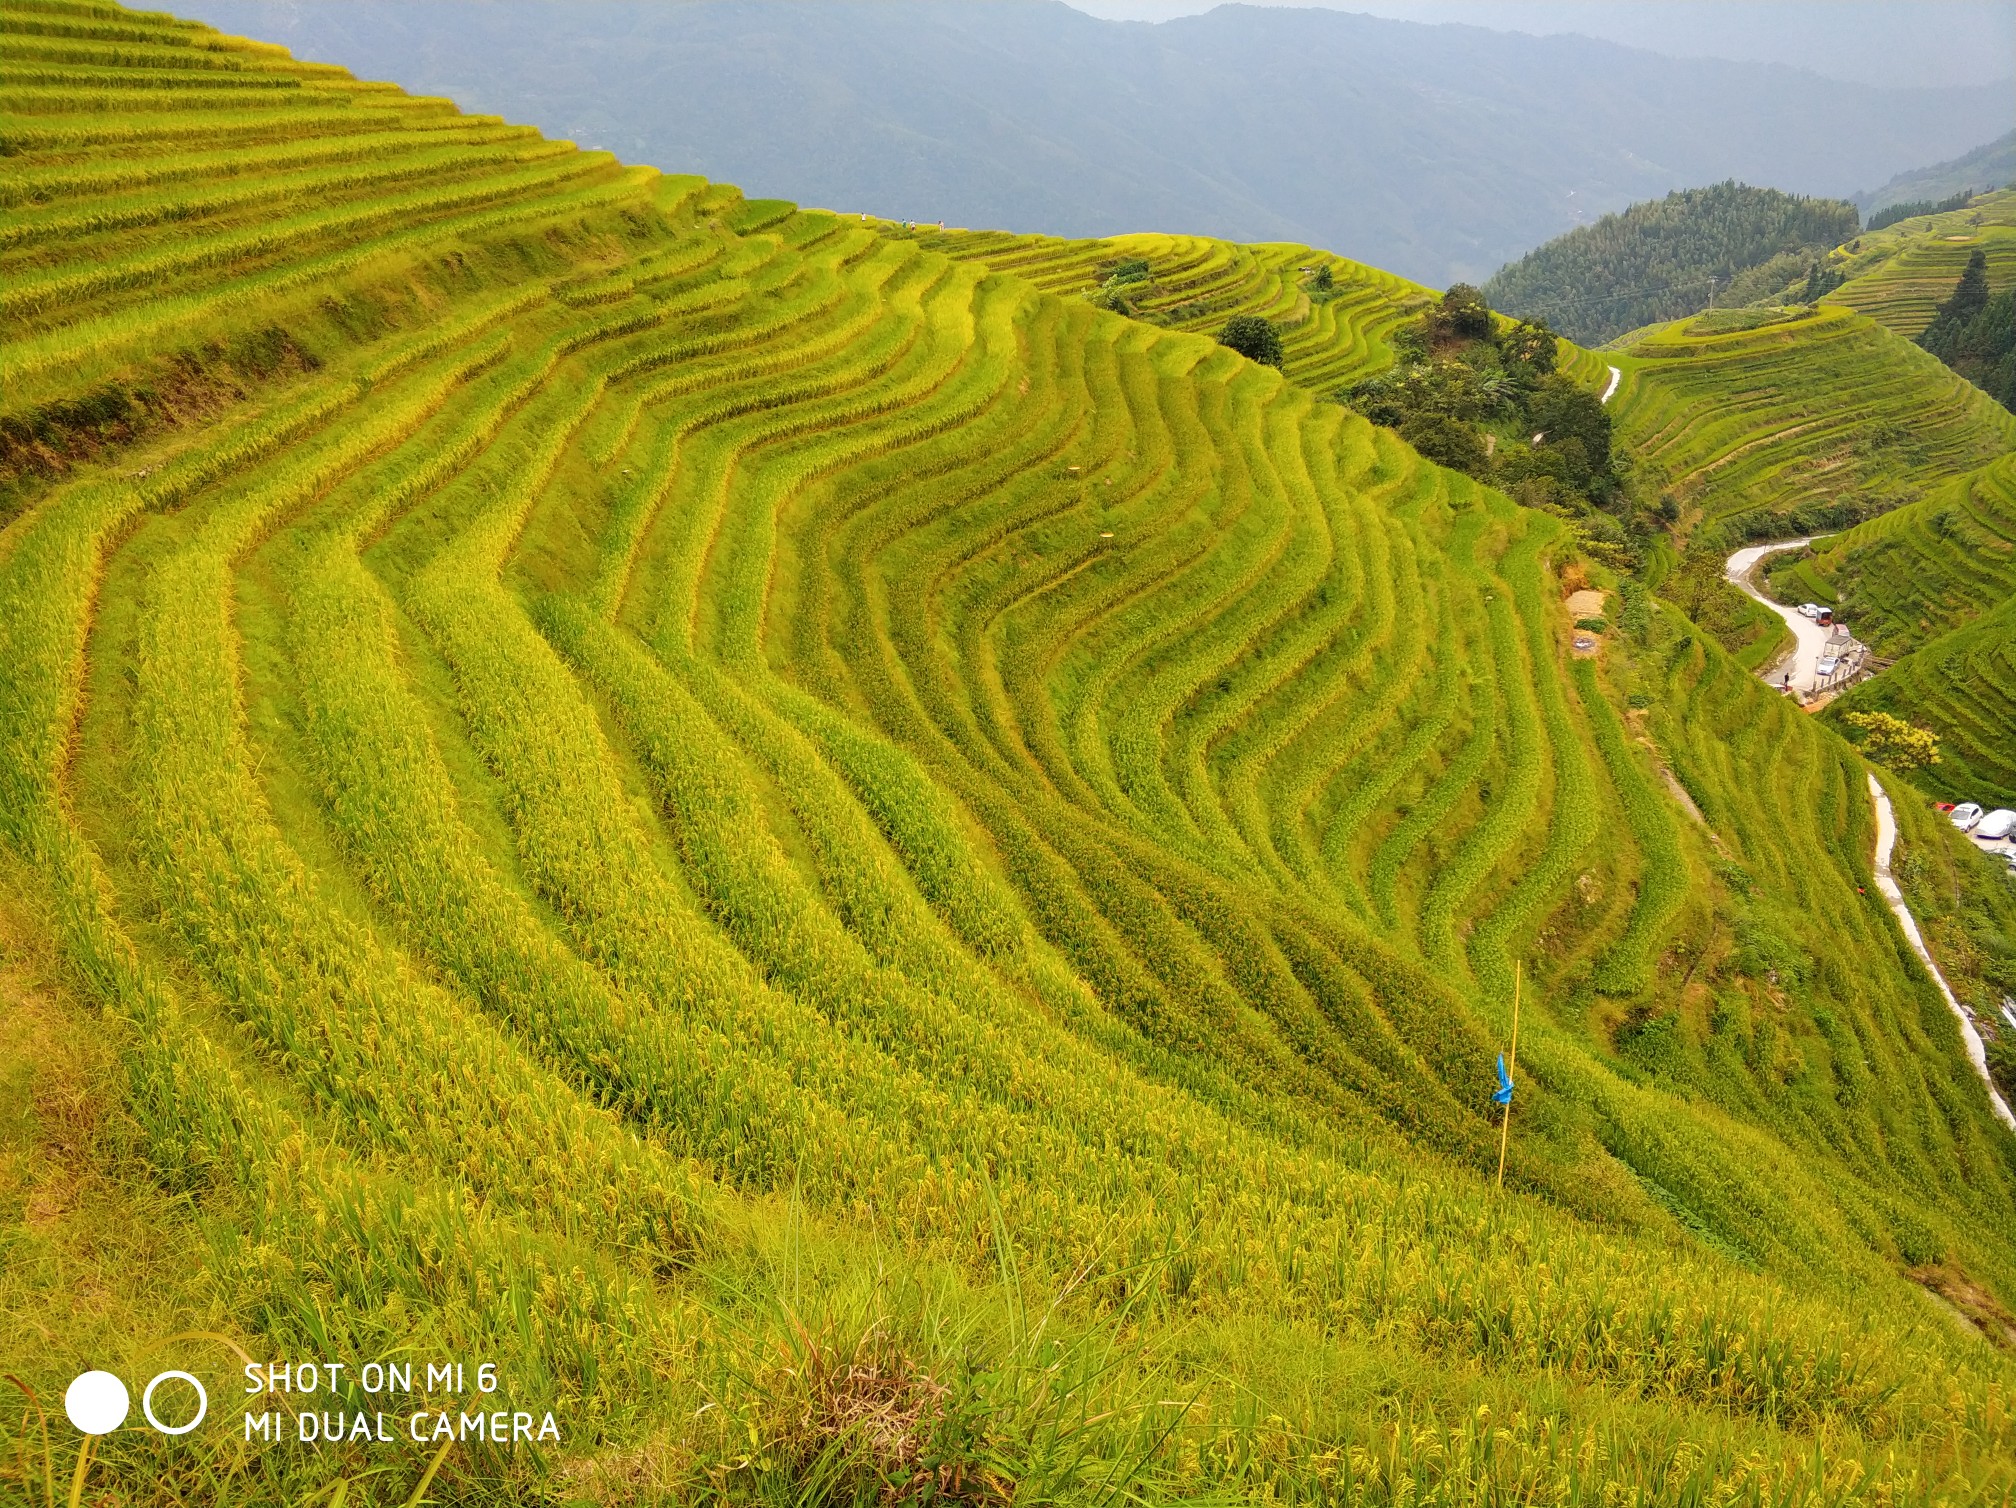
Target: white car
pixel 1809 609
pixel 1997 825
pixel 1966 815
pixel 1826 667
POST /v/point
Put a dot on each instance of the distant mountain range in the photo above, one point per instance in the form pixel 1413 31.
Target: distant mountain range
pixel 1990 167
pixel 1440 152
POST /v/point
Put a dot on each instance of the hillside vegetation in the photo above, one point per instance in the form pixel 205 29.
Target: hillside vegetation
pixel 885 885
pixel 1336 318
pixel 1933 584
pixel 1975 333
pixel 1800 421
pixel 1883 219
pixel 1899 276
pixel 1671 257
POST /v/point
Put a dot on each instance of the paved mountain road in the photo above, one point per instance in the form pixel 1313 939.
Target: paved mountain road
pixel 1808 636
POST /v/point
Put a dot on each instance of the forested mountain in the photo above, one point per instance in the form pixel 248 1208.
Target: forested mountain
pixel 1986 167
pixel 1671 258
pixel 1437 152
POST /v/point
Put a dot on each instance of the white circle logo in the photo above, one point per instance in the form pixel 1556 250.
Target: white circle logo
pixel 97 1403
pixel 147 1403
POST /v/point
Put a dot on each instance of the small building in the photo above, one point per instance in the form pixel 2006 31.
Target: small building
pixel 1843 659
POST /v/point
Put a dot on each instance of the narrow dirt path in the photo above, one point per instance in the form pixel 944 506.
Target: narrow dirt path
pixel 1886 840
pixel 1616 376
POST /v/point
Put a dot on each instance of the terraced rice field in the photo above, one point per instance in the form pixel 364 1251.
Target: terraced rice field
pixel 1962 685
pixel 1934 583
pixel 1900 275
pixel 770 828
pixel 1198 282
pixel 1806 413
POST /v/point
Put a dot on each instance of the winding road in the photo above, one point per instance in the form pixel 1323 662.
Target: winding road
pixel 1809 637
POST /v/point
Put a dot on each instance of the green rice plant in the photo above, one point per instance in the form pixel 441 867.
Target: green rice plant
pixel 29 295
pixel 1626 968
pixel 149 209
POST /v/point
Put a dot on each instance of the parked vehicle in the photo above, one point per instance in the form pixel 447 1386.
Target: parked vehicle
pixel 1809 609
pixel 1826 667
pixel 1965 815
pixel 1826 617
pixel 1997 824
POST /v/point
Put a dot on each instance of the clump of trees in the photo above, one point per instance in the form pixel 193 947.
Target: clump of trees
pixel 1884 218
pixel 1480 394
pixel 1821 280
pixel 1975 334
pixel 1253 337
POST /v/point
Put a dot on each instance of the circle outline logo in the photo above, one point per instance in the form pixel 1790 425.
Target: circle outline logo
pixel 147 1403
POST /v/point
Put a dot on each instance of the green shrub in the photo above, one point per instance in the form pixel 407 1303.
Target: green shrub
pixel 1253 337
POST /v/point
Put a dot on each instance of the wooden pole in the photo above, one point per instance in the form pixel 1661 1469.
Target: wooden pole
pixel 1512 1067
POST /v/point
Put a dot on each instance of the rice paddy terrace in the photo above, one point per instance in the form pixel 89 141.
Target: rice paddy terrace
pixel 1900 275
pixel 1935 585
pixel 878 882
pixel 1789 422
pixel 1330 336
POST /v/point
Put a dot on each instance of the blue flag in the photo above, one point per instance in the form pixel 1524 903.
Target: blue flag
pixel 1502 1095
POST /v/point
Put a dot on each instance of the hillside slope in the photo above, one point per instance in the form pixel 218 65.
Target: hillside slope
pixel 1933 585
pixel 1330 336
pixel 1990 166
pixel 878 882
pixel 1777 423
pixel 1899 275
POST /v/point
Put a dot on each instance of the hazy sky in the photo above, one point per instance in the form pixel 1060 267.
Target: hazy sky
pixel 1873 41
